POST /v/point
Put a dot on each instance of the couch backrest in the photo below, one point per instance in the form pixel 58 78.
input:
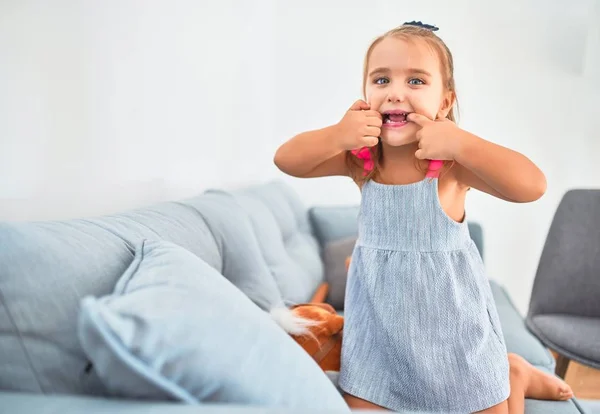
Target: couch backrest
pixel 47 267
pixel 283 231
pixel 258 238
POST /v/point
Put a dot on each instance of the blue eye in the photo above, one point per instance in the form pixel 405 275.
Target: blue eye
pixel 382 81
pixel 419 81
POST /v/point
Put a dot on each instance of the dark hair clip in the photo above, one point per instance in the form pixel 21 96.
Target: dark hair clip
pixel 423 25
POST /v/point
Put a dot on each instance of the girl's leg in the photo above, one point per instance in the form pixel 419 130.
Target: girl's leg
pixel 518 385
pixel 360 404
pixel 527 381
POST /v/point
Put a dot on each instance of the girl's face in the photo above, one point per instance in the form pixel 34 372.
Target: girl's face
pixel 404 77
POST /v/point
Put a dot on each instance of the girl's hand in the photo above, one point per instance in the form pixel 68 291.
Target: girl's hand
pixel 360 127
pixel 438 140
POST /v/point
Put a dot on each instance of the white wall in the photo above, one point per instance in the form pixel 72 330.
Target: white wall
pixel 117 104
pixel 592 106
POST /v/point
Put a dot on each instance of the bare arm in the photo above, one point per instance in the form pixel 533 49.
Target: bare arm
pixel 313 154
pixel 488 167
pixel 322 152
pixel 498 171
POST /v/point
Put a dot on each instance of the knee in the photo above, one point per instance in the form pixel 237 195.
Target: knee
pixel 517 366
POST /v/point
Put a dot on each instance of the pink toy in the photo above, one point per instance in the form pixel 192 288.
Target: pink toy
pixel 365 155
pixel 434 168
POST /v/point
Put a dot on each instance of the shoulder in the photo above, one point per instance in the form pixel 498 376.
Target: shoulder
pixel 453 174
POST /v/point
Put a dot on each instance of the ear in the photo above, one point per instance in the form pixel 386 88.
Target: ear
pixel 325 306
pixel 448 100
pixel 336 324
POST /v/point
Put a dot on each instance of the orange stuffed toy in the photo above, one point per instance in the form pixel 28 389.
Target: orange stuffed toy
pixel 322 338
pixel 316 327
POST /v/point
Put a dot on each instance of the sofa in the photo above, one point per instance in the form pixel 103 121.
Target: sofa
pixel 167 307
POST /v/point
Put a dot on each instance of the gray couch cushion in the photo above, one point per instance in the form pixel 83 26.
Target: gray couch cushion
pixel 332 223
pixel 280 224
pixel 47 267
pixel 17 403
pixel 52 404
pixel 518 338
pixel 242 261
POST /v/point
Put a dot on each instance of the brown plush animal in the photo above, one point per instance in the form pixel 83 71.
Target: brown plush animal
pixel 323 341
pixel 317 328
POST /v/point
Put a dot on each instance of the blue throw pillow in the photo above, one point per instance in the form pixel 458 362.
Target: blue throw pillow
pixel 174 328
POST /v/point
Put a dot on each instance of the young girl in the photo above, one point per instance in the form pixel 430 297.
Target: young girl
pixel 421 328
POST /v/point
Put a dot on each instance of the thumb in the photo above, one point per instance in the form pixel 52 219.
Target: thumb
pixel 359 105
pixel 419 154
pixel 418 119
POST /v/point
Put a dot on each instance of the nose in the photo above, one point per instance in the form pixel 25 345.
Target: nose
pixel 396 95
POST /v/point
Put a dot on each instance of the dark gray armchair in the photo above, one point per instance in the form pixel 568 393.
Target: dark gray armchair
pixel 564 311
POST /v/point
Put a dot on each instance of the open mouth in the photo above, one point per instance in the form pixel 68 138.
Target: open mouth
pixel 394 118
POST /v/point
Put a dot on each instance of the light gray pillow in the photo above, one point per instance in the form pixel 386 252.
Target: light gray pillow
pixel 334 259
pixel 175 329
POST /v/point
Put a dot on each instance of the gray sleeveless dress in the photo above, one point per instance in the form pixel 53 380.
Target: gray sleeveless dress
pixel 421 330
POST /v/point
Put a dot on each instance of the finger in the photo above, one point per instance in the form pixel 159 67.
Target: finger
pixel 418 119
pixel 370 141
pixel 372 131
pixel 377 102
pixel 374 122
pixel 420 154
pixel 359 105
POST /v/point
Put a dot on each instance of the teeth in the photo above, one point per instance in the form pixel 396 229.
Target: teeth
pixel 399 117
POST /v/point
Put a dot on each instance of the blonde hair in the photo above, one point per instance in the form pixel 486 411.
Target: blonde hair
pixel 407 32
